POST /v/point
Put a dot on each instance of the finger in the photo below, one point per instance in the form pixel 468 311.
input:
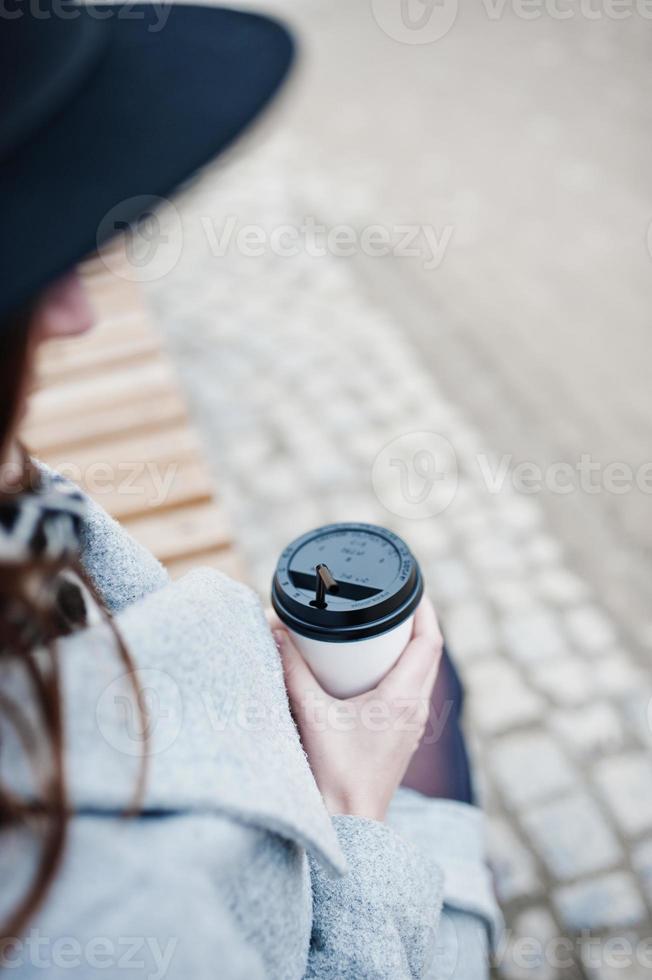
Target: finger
pixel 272 619
pixel 426 625
pixel 411 674
pixel 299 679
pixel 429 683
pixel 417 666
pixel 425 620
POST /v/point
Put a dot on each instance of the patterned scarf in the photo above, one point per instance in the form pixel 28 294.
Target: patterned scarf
pixel 40 544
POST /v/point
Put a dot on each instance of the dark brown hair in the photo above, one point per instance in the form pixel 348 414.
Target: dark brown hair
pixel 39 725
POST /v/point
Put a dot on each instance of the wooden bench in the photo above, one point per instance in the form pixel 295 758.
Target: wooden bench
pixel 108 411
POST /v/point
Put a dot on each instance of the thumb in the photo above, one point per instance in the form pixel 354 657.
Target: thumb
pixel 299 679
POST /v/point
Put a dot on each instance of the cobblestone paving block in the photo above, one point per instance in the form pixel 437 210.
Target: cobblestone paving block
pixel 277 484
pixel 534 635
pixel 543 550
pixel 449 580
pixel 484 788
pixel 362 445
pixel 572 836
pixel 590 731
pixel 590 629
pixel 465 502
pixel 498 699
pixel 528 950
pixel 642 861
pixel 623 956
pixel 429 539
pixel 566 681
pixel 615 675
pixel 351 506
pixel 560 586
pixel 494 554
pixel 626 783
pixel 471 525
pixel 530 768
pixel 513 865
pixel 510 595
pixel 470 630
pixel 644 633
pixel 518 512
pixel 609 901
pixel 638 713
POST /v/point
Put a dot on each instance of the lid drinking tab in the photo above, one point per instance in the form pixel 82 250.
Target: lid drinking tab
pixel 345 582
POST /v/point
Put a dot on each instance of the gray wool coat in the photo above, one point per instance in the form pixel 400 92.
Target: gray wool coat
pixel 232 868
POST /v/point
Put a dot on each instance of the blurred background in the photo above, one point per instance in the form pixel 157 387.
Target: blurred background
pixel 419 294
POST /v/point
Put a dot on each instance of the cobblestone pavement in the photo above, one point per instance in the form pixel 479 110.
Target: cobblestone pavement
pixel 302 369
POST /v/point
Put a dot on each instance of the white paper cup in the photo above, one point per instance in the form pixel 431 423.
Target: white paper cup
pixel 347 669
pixel 352 635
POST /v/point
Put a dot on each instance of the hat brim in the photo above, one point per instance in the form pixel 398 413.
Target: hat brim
pixel 159 104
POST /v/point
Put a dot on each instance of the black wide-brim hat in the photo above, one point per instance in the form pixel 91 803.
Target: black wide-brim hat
pixel 105 108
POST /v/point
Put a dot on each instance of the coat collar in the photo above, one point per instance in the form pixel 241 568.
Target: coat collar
pixel 219 731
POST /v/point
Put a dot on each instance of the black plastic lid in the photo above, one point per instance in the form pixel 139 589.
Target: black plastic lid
pixel 370 579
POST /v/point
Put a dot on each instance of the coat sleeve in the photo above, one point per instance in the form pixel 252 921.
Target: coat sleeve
pixel 381 919
pixel 121 569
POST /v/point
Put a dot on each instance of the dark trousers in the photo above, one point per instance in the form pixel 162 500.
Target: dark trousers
pixel 440 766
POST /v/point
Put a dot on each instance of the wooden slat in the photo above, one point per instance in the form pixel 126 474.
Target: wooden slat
pixel 197 529
pixel 132 381
pixel 189 483
pixel 115 295
pixel 109 413
pixel 126 338
pixel 130 492
pixel 142 414
pixel 171 444
pixel 228 561
pixel 139 474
